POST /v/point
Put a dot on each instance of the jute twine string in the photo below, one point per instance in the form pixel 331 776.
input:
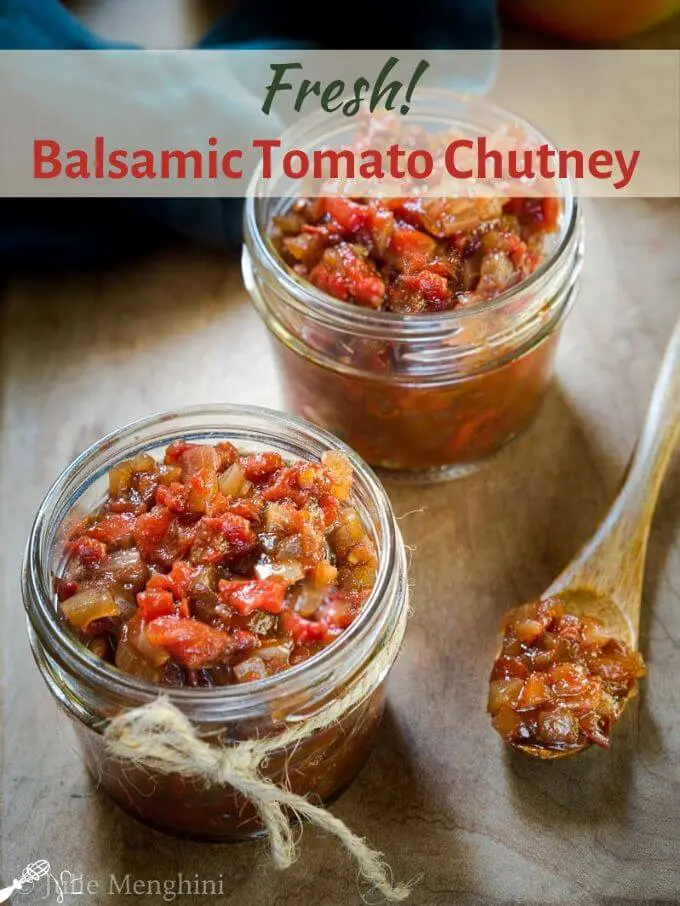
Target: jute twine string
pixel 158 737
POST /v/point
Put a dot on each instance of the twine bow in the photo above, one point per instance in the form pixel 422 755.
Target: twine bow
pixel 161 738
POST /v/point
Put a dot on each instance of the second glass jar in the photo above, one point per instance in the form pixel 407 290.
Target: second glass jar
pixel 426 396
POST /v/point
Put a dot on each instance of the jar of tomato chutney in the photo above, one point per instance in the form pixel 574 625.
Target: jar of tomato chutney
pixel 352 668
pixel 426 396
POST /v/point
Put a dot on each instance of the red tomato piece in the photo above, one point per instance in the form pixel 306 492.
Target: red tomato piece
pixel 91 551
pixel 331 508
pixel 414 292
pixel 407 242
pixel 228 454
pixel 176 581
pixel 303 631
pixel 192 643
pixel 175 450
pixel 65 588
pixel 349 214
pixel 152 526
pixel 198 457
pixel 345 274
pixel 218 538
pixel 338 610
pixel 155 602
pixel 248 509
pixel 173 496
pixel 203 488
pixel 262 465
pixel 113 528
pixel 247 595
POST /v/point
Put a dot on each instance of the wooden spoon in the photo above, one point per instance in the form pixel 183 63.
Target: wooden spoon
pixel 605 579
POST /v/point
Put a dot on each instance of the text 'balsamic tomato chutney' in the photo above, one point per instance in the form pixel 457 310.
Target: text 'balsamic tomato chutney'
pixel 244 564
pixel 419 329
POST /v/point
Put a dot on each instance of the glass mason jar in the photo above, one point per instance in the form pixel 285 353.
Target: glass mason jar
pixel 92 691
pixel 428 395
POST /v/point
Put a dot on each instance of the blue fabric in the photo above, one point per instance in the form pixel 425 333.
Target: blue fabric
pixel 49 233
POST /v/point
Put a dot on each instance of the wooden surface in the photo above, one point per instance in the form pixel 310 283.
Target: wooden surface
pixel 81 354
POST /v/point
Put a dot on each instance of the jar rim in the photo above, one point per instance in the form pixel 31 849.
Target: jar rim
pixel 334 312
pixel 76 478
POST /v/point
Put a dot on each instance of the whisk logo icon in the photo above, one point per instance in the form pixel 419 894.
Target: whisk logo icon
pixel 33 872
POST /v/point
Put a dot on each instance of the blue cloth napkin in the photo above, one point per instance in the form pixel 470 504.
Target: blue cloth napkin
pixel 50 233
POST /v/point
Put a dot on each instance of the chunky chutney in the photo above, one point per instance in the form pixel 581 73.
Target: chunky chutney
pixel 415 255
pixel 213 566
pixel 560 681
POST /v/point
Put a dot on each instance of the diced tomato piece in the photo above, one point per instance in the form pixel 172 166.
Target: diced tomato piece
pixel 339 609
pixel 538 214
pixel 331 507
pixel 432 287
pixel 248 595
pixel 285 487
pixel 155 602
pixel 412 292
pixel 198 457
pixel 228 454
pixel 303 631
pixel 176 581
pixel 150 528
pixel 192 643
pixel 509 668
pixel 114 528
pixel 175 450
pixel 248 509
pixel 203 488
pixel 331 281
pixel 64 588
pixel 262 465
pixel 349 214
pixel 345 274
pixel 173 496
pixel 408 242
pixel 221 537
pixel 91 551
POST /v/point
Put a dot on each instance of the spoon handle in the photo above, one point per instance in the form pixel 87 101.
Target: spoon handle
pixel 612 562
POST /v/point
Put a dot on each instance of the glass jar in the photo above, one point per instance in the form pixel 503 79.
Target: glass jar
pixel 427 396
pixel 92 691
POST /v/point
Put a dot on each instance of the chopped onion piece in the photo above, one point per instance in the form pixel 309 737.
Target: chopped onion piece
pixel 88 605
pixel 143 462
pixel 127 568
pixel 129 660
pixel 279 653
pixel 290 571
pixel 232 479
pixel 308 599
pixel 120 477
pixel 134 632
pixel 250 670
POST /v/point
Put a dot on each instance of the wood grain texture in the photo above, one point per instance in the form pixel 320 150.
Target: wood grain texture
pixel 441 796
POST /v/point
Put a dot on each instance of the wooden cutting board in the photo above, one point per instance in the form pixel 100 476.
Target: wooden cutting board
pixel 82 354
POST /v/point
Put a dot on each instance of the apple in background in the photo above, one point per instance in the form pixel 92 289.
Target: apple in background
pixel 591 21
